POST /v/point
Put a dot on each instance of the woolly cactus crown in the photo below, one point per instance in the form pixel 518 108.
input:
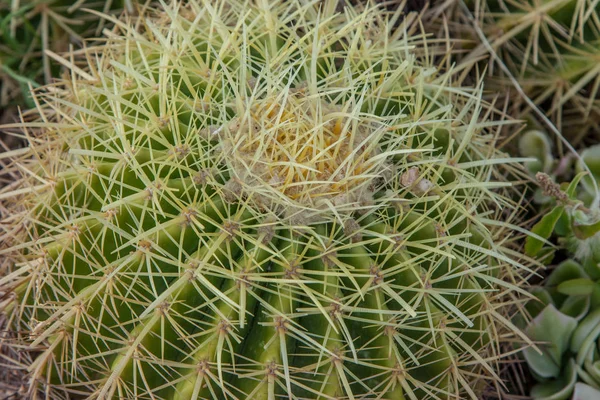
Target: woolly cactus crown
pixel 259 200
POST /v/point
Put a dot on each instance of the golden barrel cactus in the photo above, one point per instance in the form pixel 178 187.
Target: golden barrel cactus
pixel 260 200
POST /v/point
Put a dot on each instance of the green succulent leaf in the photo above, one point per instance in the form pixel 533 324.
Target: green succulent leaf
pixel 560 389
pixel 576 306
pixel 567 270
pixel 586 376
pixel 563 226
pixel 585 392
pixel 577 287
pixel 586 231
pixel 572 187
pixel 595 297
pixel 592 368
pixel 543 299
pixel 591 158
pixel 552 330
pixel 543 229
pixel 537 145
pixel 586 333
pixel 591 268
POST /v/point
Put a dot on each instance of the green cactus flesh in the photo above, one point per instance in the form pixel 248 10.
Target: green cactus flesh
pixel 279 200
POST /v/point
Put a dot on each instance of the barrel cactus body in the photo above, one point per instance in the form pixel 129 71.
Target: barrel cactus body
pixel 261 200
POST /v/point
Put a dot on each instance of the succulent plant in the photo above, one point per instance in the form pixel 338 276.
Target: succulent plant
pixel 30 27
pixel 537 145
pixel 566 363
pixel 565 319
pixel 262 200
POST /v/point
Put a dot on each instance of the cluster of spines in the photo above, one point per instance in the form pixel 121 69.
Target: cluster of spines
pixel 549 48
pixel 139 275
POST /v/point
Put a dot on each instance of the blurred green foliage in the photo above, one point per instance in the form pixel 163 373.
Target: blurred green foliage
pixel 28 28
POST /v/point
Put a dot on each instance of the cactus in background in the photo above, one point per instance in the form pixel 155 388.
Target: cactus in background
pixel 550 47
pixel 552 50
pixel 271 200
pixel 30 27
